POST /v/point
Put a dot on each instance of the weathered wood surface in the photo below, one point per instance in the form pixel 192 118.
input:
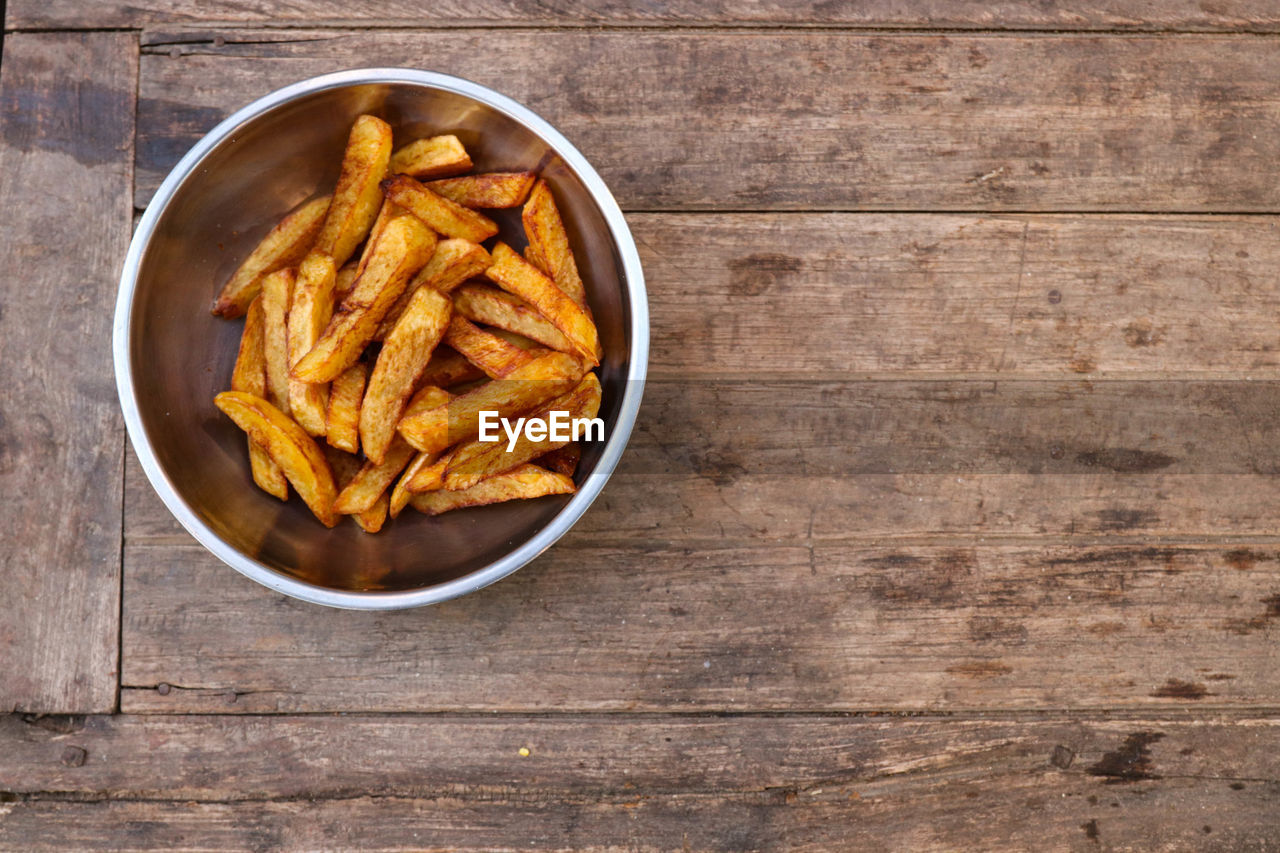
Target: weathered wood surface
pixel 818 626
pixel 825 120
pixel 66 133
pixel 640 782
pixel 1228 15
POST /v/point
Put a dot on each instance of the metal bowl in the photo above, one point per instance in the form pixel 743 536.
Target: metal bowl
pixel 171 356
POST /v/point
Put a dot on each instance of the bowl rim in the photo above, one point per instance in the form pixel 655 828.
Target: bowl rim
pixel 633 388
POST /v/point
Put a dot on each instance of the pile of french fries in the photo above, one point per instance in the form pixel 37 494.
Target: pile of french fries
pixel 362 372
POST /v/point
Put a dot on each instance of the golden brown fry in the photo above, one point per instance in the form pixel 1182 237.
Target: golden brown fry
pixel 495 356
pixel 453 262
pixel 531 255
pixel 431 158
pixel 309 313
pixel 293 450
pixel 277 294
pixel 482 303
pixel 516 275
pixel 529 345
pixel 345 467
pixel 403 358
pixel 526 481
pixel 429 476
pixel 425 399
pixel 358 195
pixel 400 495
pixel 550 243
pixel 449 218
pixel 432 429
pixel 563 460
pixel 250 376
pixel 399 252
pixel 373 479
pixel 284 246
pixel 343 416
pixel 472 462
pixel 448 368
pixel 490 190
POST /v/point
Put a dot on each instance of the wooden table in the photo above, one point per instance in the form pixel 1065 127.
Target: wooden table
pixel 951 520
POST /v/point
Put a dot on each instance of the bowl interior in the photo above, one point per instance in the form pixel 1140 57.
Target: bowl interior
pixel 182 356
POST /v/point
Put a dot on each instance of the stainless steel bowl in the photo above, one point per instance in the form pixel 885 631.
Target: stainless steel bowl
pixel 171 356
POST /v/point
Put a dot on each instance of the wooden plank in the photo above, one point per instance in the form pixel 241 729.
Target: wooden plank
pixel 866 121
pixel 1230 15
pixel 819 460
pixel 638 782
pixel 825 626
pixel 66 113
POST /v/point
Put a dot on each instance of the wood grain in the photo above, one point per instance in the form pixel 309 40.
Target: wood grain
pixel 1229 15
pixel 824 121
pixel 66 113
pixel 638 782
pixel 822 626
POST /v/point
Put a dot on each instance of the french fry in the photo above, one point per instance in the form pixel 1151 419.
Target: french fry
pixel 432 429
pixel 482 303
pixel 373 479
pixel 550 243
pixel 564 460
pixel 448 368
pixel 516 275
pixel 345 467
pixel 495 356
pixel 343 416
pixel 399 252
pixel 425 399
pixel 284 246
pixel 531 255
pixel 526 481
pixel 431 157
pixel 449 218
pixel 277 294
pixel 403 358
pixel 250 376
pixel 489 190
pixel 472 462
pixel 526 344
pixel 358 195
pixel 293 450
pixel 400 494
pixel 429 476
pixel 453 262
pixel 309 313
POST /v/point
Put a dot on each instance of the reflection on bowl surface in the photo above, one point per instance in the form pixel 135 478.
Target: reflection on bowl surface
pixel 172 357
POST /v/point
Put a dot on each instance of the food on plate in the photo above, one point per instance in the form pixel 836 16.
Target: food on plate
pixel 378 370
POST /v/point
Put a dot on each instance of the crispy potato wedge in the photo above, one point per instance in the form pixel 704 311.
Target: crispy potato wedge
pixel 453 262
pixel 345 279
pixel 284 246
pixel 309 313
pixel 277 294
pixel 526 481
pixel 358 195
pixel 550 243
pixel 403 358
pixel 516 275
pixel 400 494
pixel 490 190
pixel 345 467
pixel 448 217
pixel 474 461
pixel 372 480
pixel 250 376
pixel 492 306
pixel 432 429
pixel 387 212
pixel 425 399
pixel 564 460
pixel 343 416
pixel 399 252
pixel 495 356
pixel 428 477
pixel 290 447
pixel 431 158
